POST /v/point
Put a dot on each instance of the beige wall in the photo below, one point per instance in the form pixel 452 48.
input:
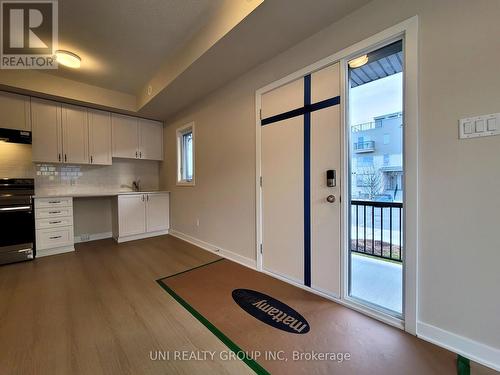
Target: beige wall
pixel 460 180
pixel 92 215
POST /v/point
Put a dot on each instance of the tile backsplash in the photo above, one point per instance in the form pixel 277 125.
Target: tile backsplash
pixel 15 161
pixel 78 179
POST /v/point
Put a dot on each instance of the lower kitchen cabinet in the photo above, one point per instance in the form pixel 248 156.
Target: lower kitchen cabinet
pixel 54 226
pixel 140 215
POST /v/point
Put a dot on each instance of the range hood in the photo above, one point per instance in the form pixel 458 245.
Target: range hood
pixel 15 136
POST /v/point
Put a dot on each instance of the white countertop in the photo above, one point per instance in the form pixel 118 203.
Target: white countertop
pixel 97 194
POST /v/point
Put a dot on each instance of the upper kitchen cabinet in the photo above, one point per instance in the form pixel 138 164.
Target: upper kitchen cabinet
pixel 47 132
pixel 75 132
pixel 15 110
pixel 150 139
pixel 100 137
pixel 135 138
pixel 125 136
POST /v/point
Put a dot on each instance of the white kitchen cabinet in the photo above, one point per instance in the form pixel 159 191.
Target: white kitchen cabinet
pixel 75 134
pixel 15 110
pixel 140 215
pixel 54 226
pixel 150 140
pixel 157 209
pixel 99 137
pixel 46 131
pixel 125 136
pixel 131 214
pixel 136 138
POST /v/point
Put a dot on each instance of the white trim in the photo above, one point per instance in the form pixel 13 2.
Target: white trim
pixel 140 236
pixel 231 255
pixel 473 350
pixel 258 176
pixel 94 237
pixel 178 133
pixel 58 250
pixel 408 30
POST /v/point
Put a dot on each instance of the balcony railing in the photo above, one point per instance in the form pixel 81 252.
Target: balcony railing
pixel 376 229
pixel 367 146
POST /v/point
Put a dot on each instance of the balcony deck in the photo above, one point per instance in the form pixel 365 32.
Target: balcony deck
pixel 377 281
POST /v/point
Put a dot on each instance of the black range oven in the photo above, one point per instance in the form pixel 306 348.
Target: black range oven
pixel 17 220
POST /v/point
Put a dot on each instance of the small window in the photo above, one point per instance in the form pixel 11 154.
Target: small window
pixel 185 155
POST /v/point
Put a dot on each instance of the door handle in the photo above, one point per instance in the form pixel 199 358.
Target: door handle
pixel 330 199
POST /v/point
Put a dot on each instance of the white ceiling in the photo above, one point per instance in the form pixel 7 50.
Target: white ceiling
pixel 126 43
pixel 272 28
pixel 123 42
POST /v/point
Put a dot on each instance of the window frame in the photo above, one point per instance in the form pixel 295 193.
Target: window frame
pixel 180 132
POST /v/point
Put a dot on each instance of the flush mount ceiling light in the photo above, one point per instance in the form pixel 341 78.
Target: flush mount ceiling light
pixel 68 59
pixel 358 61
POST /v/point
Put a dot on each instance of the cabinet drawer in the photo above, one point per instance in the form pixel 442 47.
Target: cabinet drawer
pixel 53 222
pixel 57 237
pixel 47 213
pixel 53 202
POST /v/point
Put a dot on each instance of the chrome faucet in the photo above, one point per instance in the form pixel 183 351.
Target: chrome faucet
pixel 136 185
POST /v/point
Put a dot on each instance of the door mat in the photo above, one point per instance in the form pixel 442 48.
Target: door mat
pixel 277 328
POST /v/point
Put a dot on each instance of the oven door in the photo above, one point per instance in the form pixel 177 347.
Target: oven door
pixel 16 233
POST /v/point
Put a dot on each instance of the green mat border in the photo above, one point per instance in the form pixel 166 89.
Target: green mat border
pixel 218 333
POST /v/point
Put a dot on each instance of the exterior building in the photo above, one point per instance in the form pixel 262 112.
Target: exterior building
pixel 377 163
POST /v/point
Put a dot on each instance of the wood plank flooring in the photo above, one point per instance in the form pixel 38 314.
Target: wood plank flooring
pixel 100 311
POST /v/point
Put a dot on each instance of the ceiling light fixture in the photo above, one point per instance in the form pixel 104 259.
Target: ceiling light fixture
pixel 358 61
pixel 68 59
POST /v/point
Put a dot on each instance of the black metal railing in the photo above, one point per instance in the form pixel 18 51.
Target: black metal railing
pixel 364 146
pixel 376 229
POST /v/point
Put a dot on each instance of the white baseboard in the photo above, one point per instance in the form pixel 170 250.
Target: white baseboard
pixel 57 250
pixel 141 236
pixel 231 255
pixel 93 237
pixel 473 350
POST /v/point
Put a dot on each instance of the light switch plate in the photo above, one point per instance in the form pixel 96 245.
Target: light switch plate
pixel 479 126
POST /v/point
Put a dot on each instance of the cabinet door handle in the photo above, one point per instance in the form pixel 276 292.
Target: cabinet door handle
pixel 136 153
pixel 54 202
pixel 140 154
pixel 142 198
pixel 54 212
pixel 147 198
pixel 65 158
pixel 55 237
pixel 91 159
pixel 55 222
pixel 59 157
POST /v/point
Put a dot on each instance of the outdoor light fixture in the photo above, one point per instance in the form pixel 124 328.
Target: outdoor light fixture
pixel 358 61
pixel 68 59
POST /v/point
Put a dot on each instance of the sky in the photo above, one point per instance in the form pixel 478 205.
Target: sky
pixel 376 98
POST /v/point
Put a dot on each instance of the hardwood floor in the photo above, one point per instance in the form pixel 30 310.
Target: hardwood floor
pixel 100 311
